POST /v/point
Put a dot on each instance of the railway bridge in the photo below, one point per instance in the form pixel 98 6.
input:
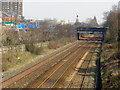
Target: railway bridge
pixel 90 30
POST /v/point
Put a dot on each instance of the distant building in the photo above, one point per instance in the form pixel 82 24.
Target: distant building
pixel 7 18
pixel 39 23
pixel 70 23
pixel 11 11
pixel 77 23
pixel 93 22
pixel 48 22
pixel 62 22
pixel 0 5
pixel 77 20
pixel 13 6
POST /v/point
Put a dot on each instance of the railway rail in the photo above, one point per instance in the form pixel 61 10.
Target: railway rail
pixel 67 65
pixel 21 75
pixel 52 77
pixel 73 71
pixel 82 81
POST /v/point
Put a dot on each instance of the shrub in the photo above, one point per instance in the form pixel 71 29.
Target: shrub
pixel 9 40
pixel 115 45
pixel 72 39
pixel 30 47
pixel 52 45
pixel 38 51
pixel 35 50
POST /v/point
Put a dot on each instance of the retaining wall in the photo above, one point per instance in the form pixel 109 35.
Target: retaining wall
pixel 17 48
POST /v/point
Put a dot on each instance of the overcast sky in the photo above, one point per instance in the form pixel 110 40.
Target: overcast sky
pixel 67 9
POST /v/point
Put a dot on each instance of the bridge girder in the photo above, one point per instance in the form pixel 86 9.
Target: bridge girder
pixel 91 30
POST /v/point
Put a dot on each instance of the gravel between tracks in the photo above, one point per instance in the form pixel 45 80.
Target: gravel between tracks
pixel 90 81
pixel 64 81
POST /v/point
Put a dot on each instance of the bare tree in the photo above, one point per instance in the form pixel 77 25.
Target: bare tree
pixel 112 22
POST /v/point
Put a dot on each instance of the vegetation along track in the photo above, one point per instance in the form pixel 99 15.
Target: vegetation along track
pixel 17 77
pixel 51 77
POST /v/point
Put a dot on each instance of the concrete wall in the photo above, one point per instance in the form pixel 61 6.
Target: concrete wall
pixel 6 49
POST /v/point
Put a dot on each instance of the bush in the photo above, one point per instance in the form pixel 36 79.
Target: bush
pixel 72 39
pixel 30 48
pixel 38 51
pixel 52 45
pixel 115 45
pixel 9 40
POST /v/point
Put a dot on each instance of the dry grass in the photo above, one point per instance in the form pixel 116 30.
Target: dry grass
pixel 109 67
pixel 60 43
pixel 10 61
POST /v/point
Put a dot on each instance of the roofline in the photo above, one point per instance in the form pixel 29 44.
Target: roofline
pixel 6 13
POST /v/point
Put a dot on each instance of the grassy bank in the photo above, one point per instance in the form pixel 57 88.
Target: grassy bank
pixel 10 60
pixel 109 66
pixel 14 60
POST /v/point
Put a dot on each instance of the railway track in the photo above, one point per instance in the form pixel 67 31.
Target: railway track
pixel 80 73
pixel 23 74
pixel 51 78
pixel 70 82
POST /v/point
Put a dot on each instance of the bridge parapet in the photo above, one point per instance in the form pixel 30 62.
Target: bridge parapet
pixel 91 29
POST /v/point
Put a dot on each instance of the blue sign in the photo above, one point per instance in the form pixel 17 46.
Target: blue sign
pixel 23 25
pixel 33 25
pixel 20 25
